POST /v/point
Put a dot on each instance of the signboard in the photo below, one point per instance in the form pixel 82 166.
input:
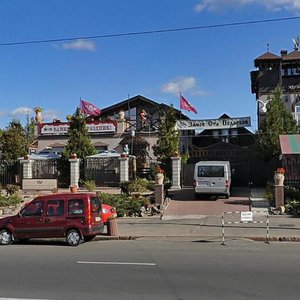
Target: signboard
pixel 62 128
pixel 246 216
pixel 39 184
pixel 213 123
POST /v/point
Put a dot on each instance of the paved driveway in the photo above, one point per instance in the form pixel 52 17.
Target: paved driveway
pixel 183 204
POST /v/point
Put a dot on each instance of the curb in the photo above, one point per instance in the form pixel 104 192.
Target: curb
pixel 256 239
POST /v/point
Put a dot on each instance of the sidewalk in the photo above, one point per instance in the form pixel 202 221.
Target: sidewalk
pixel 281 228
pixel 203 220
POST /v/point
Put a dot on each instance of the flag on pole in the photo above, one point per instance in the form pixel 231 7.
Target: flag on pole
pixel 89 108
pixel 186 105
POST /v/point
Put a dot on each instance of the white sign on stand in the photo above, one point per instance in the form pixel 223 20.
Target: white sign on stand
pixel 246 216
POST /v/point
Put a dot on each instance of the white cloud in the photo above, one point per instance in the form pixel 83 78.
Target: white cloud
pixel 21 111
pixel 182 84
pixel 48 115
pixel 270 5
pixel 80 45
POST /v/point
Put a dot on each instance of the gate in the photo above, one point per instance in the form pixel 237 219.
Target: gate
pixel 103 170
pixel 45 169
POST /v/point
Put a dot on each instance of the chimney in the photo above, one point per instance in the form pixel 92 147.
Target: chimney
pixel 283 53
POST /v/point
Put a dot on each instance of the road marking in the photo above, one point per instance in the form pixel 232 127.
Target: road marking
pixel 22 299
pixel 115 263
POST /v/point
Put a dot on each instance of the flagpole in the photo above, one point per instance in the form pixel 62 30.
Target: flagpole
pixel 180 104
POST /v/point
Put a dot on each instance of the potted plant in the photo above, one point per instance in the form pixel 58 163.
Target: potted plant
pixel 159 175
pixel 73 188
pixel 279 176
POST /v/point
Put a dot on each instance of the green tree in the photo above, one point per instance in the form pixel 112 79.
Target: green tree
pixel 278 120
pixel 13 143
pixel 168 141
pixel 79 141
pixel 29 129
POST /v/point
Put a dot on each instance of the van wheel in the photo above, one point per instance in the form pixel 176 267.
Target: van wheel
pixel 6 237
pixel 73 238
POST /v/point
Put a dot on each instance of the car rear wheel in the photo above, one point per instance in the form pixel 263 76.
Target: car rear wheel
pixel 6 237
pixel 73 238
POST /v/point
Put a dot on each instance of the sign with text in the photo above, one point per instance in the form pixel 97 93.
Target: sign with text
pixel 213 123
pixel 62 128
pixel 246 216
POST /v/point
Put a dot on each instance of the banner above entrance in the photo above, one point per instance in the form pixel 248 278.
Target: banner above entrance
pixel 62 128
pixel 213 123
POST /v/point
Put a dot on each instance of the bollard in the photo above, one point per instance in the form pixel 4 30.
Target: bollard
pixel 112 227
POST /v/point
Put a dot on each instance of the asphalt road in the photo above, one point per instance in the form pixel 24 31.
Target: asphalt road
pixel 150 269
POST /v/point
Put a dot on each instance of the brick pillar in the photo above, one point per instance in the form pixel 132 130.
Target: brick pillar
pixel 124 169
pixel 159 193
pixel 27 168
pixel 176 171
pixel 74 171
pixel 279 189
pixel 279 195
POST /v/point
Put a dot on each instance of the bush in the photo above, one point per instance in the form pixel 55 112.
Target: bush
pixel 11 200
pixel 138 185
pixel 90 185
pixel 124 204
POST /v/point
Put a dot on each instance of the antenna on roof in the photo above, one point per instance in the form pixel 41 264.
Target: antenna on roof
pixel 268 47
pixel 296 43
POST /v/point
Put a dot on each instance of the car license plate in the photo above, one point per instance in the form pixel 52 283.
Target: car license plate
pixel 203 183
pixel 97 219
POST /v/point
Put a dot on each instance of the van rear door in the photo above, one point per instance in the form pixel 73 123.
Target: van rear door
pixel 210 179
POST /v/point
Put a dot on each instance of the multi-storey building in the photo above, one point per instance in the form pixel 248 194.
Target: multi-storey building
pixel 273 70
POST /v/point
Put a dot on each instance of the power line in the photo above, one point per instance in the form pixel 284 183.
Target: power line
pixel 124 34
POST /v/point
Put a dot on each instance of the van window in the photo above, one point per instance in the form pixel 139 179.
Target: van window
pixel 96 205
pixel 211 171
pixel 75 207
pixel 55 208
pixel 33 209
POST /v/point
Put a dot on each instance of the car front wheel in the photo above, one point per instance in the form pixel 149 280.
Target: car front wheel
pixel 6 237
pixel 73 238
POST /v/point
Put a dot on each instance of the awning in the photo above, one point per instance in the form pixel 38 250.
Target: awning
pixel 290 143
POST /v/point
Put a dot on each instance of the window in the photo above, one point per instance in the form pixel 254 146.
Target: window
pixel 96 205
pixel 215 134
pixel 297 112
pixel 211 171
pixel 55 208
pixel 33 209
pixel 75 207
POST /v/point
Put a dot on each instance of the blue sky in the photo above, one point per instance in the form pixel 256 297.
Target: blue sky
pixel 211 67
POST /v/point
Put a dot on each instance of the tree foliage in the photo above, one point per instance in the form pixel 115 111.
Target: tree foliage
pixel 79 141
pixel 278 120
pixel 168 141
pixel 13 142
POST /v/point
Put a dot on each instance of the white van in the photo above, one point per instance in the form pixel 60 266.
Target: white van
pixel 212 178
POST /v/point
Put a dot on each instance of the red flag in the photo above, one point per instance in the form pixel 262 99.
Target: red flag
pixel 89 108
pixel 186 105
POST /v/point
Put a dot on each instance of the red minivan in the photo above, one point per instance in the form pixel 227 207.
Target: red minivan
pixel 75 216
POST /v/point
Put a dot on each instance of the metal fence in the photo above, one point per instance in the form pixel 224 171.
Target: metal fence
pixel 45 169
pixel 10 173
pixel 103 171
